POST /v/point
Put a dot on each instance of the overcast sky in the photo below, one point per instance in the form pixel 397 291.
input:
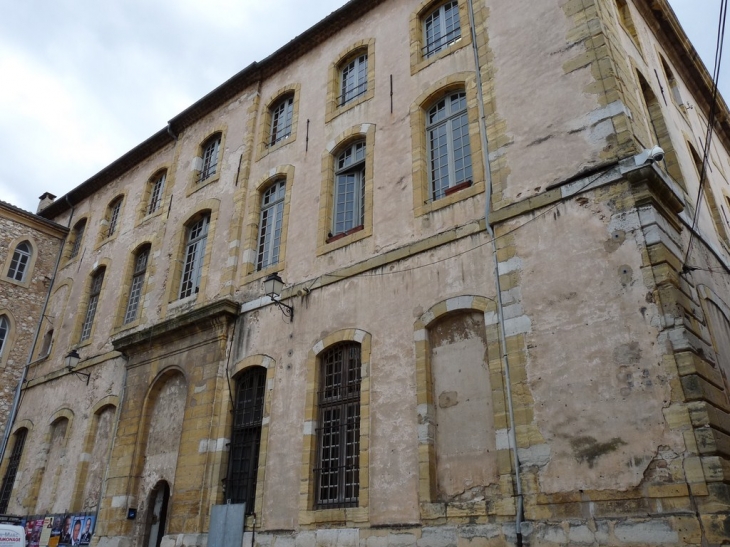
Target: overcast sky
pixel 82 81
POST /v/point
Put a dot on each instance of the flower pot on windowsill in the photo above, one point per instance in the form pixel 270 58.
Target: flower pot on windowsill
pixel 330 239
pixel 456 188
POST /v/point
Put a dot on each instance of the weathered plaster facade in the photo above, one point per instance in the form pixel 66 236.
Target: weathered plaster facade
pixel 558 363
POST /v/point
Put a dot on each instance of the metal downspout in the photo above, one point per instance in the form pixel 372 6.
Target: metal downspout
pixel 500 311
pixel 18 390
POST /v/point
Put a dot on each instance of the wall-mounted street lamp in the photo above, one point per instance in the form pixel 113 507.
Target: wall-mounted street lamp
pixel 72 359
pixel 272 287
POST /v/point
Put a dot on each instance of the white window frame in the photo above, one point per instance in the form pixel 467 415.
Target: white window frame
pixel 211 153
pixel 135 289
pixel 271 222
pixel 353 79
pixel 94 292
pixel 114 210
pixel 4 333
pixel 437 33
pixel 197 235
pixel 156 193
pixel 282 115
pixel 19 264
pixel 453 127
pixel 349 189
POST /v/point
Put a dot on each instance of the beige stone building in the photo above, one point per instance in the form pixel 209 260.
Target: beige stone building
pixel 29 251
pixel 506 313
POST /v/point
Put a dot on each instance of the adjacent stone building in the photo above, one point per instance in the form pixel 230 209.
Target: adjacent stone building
pixel 505 318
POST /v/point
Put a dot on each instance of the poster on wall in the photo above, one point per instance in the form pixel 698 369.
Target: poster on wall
pixel 46 531
pixel 87 530
pixel 55 531
pixel 35 536
pixel 65 537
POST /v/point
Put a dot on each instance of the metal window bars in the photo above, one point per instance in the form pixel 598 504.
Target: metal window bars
pixel 352 93
pixel 439 43
pixel 12 470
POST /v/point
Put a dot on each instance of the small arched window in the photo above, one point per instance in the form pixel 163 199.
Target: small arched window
pixel 197 235
pixel 19 264
pixel 94 292
pixel 4 333
pixel 47 342
pixel 353 78
pixel 211 150
pixel 77 237
pixel 282 113
pixel 157 187
pixel 112 216
pixel 135 291
pixel 270 224
pixel 441 28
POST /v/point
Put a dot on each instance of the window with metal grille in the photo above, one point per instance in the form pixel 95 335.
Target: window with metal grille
pixel 281 120
pixel 449 149
pixel 441 28
pixel 135 292
pixel 4 332
pixel 246 437
pixel 13 463
pixel 158 185
pixel 354 79
pixel 78 236
pixel 270 223
pixel 113 217
pixel 349 195
pixel 337 472
pixel 210 158
pixel 194 254
pixel 19 263
pixel 94 292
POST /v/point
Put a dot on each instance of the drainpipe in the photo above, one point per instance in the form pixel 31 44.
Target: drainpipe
pixel 500 309
pixel 16 400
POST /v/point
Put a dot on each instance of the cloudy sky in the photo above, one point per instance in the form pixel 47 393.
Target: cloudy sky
pixel 85 81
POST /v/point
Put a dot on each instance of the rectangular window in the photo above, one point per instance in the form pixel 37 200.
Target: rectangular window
pixel 13 463
pixel 349 191
pixel 156 194
pixel 270 223
pixel 94 293
pixel 135 292
pixel 337 473
pixel 354 79
pixel 194 254
pixel 441 28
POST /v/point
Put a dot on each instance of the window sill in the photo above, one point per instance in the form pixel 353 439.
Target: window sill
pixel 255 275
pixel 147 218
pixel 335 111
pixel 194 185
pixel 126 326
pixel 315 517
pixel 104 241
pixel 458 193
pixel 342 240
pixel 24 284
pixel 345 234
pixel 71 261
pixel 424 62
pixel 267 149
pixel 457 187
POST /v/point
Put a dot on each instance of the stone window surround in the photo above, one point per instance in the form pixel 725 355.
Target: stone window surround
pixel 27 425
pixel 84 302
pixel 68 282
pixel 250 251
pixel 669 90
pixel 197 162
pixel 333 108
pixel 262 148
pixel 709 195
pixel 9 337
pixel 31 262
pixel 365 132
pixel 425 8
pixel 308 516
pixel 179 243
pixel 103 225
pixel 123 292
pixel 422 203
pixel 71 240
pixel 144 203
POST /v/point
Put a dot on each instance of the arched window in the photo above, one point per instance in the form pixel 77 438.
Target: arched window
pixel 449 148
pixel 441 28
pixel 4 333
pixel 19 263
pixel 349 190
pixel 157 187
pixel 337 470
pixel 353 78
pixel 672 81
pixel 135 290
pixel 246 437
pixel 270 224
pixel 210 157
pixel 94 292
pixel 112 216
pixel 77 236
pixel 627 22
pixel 12 470
pixel 197 235
pixel 282 113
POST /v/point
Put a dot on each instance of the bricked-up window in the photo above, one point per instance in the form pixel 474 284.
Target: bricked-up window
pixel 270 224
pixel 135 290
pixel 197 236
pixel 4 333
pixel 349 191
pixel 19 263
pixel 449 148
pixel 281 120
pixel 113 217
pixel 47 343
pixel 246 437
pixel 337 471
pixel 13 463
pixel 77 237
pixel 210 157
pixel 156 192
pixel 353 78
pixel 441 28
pixel 94 292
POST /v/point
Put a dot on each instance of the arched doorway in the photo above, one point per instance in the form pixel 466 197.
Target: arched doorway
pixel 156 514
